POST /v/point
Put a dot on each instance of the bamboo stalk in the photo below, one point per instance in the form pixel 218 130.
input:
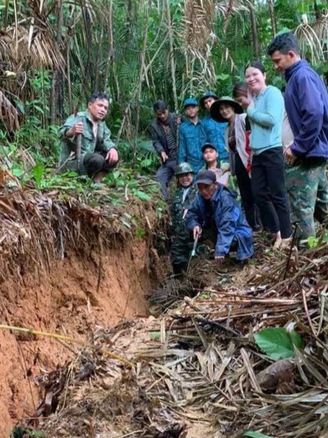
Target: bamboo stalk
pixel 63 338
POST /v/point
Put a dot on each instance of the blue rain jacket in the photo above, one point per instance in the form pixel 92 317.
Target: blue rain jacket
pixel 229 221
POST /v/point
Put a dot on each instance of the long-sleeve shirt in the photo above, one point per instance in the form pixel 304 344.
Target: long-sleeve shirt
pixel 90 143
pixel 266 119
pixel 306 103
pixel 160 137
pixel 229 220
pixel 191 139
pixel 215 135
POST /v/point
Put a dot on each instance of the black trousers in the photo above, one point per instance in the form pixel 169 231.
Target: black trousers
pixel 96 162
pixel 246 194
pixel 269 191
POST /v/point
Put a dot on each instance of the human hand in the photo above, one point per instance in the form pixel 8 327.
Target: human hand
pixel 289 156
pixel 197 231
pixel 178 120
pixel 112 156
pixel 244 101
pixel 164 156
pixel 77 128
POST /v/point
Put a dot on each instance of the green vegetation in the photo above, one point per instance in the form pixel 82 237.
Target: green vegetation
pixel 136 51
pixel 278 343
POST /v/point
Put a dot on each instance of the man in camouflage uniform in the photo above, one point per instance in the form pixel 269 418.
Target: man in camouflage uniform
pixel 183 197
pixel 98 153
pixel 306 102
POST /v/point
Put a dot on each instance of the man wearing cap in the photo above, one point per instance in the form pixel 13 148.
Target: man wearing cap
pixel 164 132
pixel 212 163
pixel 184 195
pixel 191 136
pixel 214 130
pixel 216 209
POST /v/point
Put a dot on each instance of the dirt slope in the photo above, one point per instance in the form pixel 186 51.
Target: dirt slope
pixel 94 285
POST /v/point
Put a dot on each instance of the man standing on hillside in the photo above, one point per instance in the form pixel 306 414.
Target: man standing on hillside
pixel 192 136
pixel 306 102
pixel 215 131
pixel 98 153
pixel 164 129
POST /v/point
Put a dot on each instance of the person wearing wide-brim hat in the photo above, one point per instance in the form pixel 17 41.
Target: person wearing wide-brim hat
pixel 214 130
pixel 228 110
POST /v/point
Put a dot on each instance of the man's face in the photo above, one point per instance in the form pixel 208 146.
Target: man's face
pixel 185 179
pixel 162 115
pixel 207 190
pixel 208 102
pixel 98 109
pixel 281 61
pixel 210 155
pixel 191 111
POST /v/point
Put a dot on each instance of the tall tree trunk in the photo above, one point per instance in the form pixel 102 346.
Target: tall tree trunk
pixel 256 45
pixel 142 74
pixel 272 17
pixel 318 11
pixel 171 54
pixel 56 97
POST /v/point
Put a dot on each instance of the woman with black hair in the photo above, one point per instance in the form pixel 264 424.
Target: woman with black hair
pixel 265 110
pixel 228 110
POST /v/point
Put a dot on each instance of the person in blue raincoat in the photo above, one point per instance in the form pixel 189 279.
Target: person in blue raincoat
pixel 215 207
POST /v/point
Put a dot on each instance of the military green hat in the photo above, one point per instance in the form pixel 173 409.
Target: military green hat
pixel 206 96
pixel 183 168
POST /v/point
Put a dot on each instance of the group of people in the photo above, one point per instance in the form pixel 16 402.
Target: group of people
pixel 276 145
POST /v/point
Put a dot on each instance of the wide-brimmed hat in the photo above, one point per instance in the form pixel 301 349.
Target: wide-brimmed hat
pixel 208 145
pixel 215 108
pixel 206 96
pixel 191 101
pixel 206 177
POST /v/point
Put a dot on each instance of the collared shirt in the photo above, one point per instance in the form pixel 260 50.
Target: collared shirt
pixel 94 138
pixel 191 139
pixel 215 132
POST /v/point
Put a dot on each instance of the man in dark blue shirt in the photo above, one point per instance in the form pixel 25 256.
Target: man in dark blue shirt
pixel 192 136
pixel 306 102
pixel 215 131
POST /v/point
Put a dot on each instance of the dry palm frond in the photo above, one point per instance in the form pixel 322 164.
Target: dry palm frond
pixel 198 24
pixel 232 6
pixel 8 113
pixel 34 49
pixel 312 39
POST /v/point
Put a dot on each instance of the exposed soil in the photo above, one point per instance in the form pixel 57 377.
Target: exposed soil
pixel 63 301
pixel 86 290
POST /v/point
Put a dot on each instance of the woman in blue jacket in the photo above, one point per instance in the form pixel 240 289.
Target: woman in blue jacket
pixel 265 110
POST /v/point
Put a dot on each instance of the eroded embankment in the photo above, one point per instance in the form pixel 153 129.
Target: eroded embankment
pixel 64 268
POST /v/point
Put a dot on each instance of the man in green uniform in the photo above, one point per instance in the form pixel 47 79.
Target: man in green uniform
pixel 98 153
pixel 183 197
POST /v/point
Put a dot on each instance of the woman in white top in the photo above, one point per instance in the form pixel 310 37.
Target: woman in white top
pixel 228 110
